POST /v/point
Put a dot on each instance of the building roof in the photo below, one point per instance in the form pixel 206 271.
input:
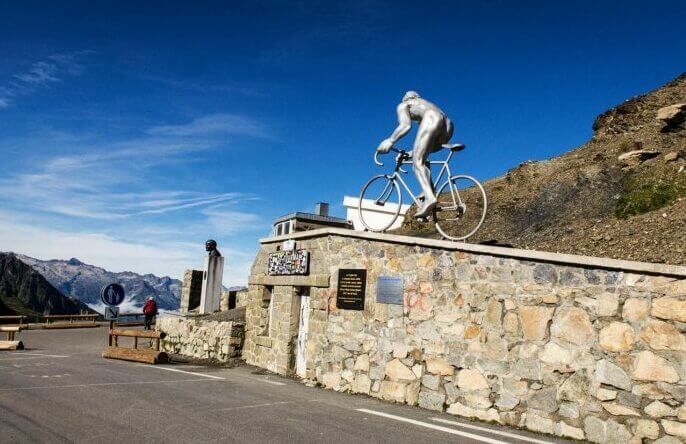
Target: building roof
pixel 313 218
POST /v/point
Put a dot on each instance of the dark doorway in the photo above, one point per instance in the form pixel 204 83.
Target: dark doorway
pixel 232 300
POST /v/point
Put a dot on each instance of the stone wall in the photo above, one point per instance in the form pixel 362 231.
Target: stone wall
pixel 198 338
pixel 555 346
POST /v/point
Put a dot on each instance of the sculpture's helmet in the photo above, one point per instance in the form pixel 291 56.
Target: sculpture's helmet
pixel 210 245
pixel 410 95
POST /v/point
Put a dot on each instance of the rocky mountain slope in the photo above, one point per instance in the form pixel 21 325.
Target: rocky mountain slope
pixel 620 195
pixel 84 282
pixel 24 291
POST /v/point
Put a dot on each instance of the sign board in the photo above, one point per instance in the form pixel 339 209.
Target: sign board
pixel 288 263
pixel 111 313
pixel 112 294
pixel 352 285
pixel 288 245
pixel 389 290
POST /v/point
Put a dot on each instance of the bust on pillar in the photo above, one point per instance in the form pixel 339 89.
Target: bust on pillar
pixel 210 296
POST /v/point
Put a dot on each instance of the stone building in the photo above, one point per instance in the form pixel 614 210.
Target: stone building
pixel 579 347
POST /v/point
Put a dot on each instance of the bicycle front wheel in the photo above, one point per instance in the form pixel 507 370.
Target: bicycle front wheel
pixel 380 202
pixel 461 207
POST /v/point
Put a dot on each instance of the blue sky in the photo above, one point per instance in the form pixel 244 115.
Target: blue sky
pixel 130 132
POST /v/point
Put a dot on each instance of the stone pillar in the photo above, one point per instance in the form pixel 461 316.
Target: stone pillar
pixel 212 284
pixel 190 290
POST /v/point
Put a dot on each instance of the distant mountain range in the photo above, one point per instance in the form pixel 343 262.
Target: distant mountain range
pixel 82 281
pixel 24 291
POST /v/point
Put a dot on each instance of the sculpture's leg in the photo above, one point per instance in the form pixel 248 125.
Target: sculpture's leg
pixel 422 148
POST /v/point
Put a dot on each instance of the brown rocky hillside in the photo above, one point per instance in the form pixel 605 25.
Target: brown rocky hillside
pixel 620 195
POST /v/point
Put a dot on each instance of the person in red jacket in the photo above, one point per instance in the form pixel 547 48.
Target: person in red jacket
pixel 149 310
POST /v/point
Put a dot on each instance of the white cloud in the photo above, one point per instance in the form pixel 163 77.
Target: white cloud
pixel 215 124
pixel 162 259
pixel 42 74
pixel 227 221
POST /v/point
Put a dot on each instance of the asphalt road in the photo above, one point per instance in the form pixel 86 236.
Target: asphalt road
pixel 60 390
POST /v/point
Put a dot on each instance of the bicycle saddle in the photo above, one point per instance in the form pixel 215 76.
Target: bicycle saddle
pixel 455 147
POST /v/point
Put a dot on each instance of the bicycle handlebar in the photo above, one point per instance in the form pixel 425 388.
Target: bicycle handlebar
pixel 402 153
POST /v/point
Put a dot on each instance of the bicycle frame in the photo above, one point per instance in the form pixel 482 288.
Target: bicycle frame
pixel 385 194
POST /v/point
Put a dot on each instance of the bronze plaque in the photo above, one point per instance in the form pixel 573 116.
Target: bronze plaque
pixel 352 285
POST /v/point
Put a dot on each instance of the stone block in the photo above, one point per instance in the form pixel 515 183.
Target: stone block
pixel 439 366
pixel 362 384
pixel 393 391
pixel 650 367
pixel 471 379
pixel 607 304
pixel 431 400
pixel 431 381
pixel 468 412
pixel 534 320
pixel 619 410
pixel 635 310
pixel 544 400
pixel 674 428
pixel 571 324
pixel 608 373
pixel 662 336
pixel 657 409
pixel 617 337
pixel 538 423
pixel 397 371
pixel 669 308
pixel 566 431
pixel 362 363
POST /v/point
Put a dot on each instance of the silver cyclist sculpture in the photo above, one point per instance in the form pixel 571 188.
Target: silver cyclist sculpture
pixel 458 208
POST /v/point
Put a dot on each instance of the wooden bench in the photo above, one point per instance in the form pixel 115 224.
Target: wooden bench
pixel 146 355
pixel 133 323
pixel 71 321
pixel 11 343
pixel 19 320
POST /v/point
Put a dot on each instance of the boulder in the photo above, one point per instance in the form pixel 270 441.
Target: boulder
pixel 672 156
pixel 636 157
pixel 672 116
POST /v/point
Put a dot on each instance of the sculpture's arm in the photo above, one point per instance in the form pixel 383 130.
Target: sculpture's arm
pixel 404 126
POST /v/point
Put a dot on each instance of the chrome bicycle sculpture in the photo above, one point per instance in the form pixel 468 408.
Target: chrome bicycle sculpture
pixel 458 208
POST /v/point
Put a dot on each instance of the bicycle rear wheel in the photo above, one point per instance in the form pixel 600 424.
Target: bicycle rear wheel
pixel 380 202
pixel 461 207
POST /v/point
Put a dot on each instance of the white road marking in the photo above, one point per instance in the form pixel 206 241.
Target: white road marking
pixel 495 432
pixel 254 406
pixel 38 354
pixel 269 382
pixel 204 375
pixel 102 384
pixel 23 358
pixel 433 426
